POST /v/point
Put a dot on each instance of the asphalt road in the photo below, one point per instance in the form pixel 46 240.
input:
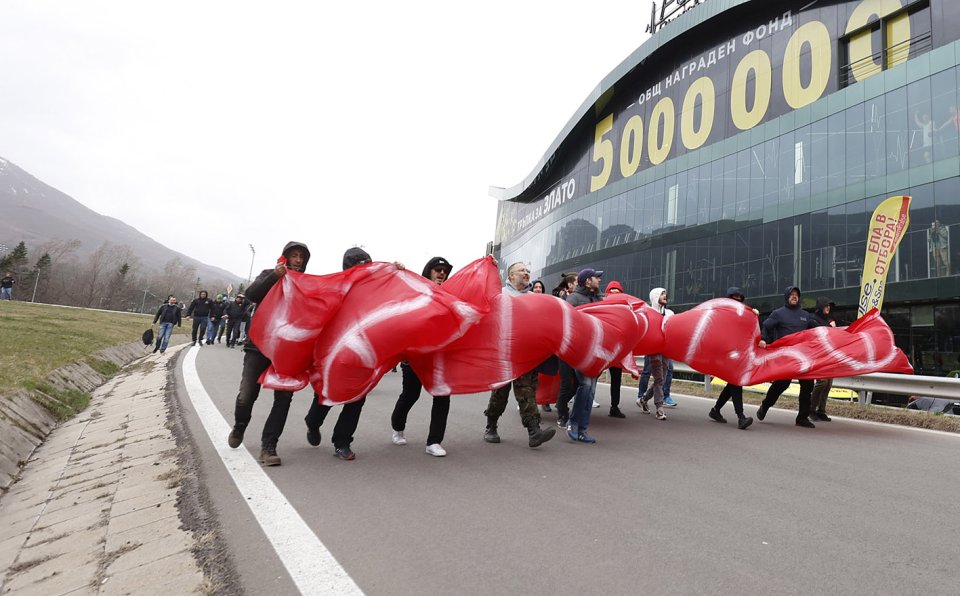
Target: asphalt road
pixel 680 506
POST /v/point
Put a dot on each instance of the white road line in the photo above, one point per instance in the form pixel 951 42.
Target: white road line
pixel 311 566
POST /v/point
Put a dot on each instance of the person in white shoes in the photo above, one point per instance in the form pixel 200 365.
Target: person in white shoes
pixel 437 270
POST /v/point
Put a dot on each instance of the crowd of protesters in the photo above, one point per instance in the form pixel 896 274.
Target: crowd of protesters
pixel 211 319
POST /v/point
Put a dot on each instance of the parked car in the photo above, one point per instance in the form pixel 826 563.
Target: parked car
pixel 934 405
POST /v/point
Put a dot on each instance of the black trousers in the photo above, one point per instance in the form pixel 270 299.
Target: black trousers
pixel 778 387
pixel 616 375
pixel 254 363
pixel 409 396
pixel 233 331
pixel 346 423
pixel 568 388
pixel 734 392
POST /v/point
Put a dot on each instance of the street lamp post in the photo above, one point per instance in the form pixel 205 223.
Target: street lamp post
pixel 253 254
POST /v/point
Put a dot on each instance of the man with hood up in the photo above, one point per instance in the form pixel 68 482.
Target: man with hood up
pixel 784 321
pixel 350 415
pixel 436 270
pixel 658 302
pixel 822 387
pixel 199 310
pixel 296 255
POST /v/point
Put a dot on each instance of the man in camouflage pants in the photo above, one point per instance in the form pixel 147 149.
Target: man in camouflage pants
pixel 524 386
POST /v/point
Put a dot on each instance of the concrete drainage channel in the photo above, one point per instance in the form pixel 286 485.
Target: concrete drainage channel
pixel 105 501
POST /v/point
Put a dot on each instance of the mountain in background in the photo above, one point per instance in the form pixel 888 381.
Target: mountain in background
pixel 35 213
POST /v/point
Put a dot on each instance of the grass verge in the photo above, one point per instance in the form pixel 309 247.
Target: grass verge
pixel 39 338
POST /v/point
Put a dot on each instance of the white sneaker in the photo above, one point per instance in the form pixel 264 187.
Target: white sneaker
pixel 398 438
pixel 596 404
pixel 436 450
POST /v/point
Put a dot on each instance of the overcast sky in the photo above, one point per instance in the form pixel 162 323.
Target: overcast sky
pixel 209 126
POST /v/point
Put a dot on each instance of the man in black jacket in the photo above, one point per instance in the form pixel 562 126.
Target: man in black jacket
pixel 234 312
pixel 216 314
pixel 199 311
pixel 587 292
pixel 169 315
pixel 350 415
pixel 784 321
pixel 436 270
pixel 254 363
pixel 822 387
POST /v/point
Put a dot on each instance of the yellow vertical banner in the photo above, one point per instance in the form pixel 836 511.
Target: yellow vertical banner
pixel 887 227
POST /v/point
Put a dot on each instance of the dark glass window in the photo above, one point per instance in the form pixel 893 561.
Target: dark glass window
pixel 898 130
pixel 820 157
pixel 946 119
pixel 920 122
pixel 874 114
pixel 855 155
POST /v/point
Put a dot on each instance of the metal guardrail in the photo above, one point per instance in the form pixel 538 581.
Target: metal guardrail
pixel 866 385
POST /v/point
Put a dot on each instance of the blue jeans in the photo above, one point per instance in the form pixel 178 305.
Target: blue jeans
pixel 6 293
pixel 212 330
pixel 645 377
pixel 163 336
pixel 582 402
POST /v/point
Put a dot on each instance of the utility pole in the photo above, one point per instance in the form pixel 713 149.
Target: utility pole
pixel 35 284
pixel 253 254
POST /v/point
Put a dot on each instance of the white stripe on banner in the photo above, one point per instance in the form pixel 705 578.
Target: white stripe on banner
pixel 311 566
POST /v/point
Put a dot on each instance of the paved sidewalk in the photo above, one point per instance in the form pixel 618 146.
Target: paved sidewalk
pixel 95 511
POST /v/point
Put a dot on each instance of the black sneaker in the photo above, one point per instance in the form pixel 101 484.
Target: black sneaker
pixel 562 421
pixel 546 408
pixel 616 413
pixel 762 412
pixel 344 453
pixel 822 416
pixel 804 422
pixel 715 415
pixel 744 422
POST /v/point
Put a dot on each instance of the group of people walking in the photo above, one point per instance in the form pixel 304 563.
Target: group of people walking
pixel 577 289
pixel 211 319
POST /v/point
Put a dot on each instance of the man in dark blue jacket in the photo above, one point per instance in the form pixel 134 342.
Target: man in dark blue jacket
pixel 784 321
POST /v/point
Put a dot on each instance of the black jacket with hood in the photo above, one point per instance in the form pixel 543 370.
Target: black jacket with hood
pixel 201 305
pixel 818 315
pixel 787 319
pixel 581 295
pixel 258 289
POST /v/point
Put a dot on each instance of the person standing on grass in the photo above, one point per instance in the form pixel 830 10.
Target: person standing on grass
pixel 296 255
pixel 168 315
pixel 822 387
pixel 731 391
pixel 436 270
pixel 784 321
pixel 6 286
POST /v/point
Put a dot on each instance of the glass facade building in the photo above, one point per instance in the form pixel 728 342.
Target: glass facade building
pixel 747 144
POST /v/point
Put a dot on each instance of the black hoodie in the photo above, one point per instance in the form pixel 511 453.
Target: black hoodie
pixel 436 262
pixel 818 315
pixel 268 277
pixel 355 256
pixel 787 319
